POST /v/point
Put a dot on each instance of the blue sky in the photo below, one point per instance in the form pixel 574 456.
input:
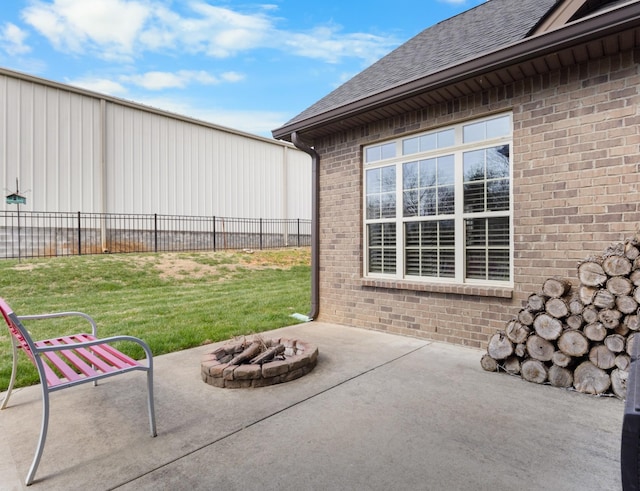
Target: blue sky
pixel 248 66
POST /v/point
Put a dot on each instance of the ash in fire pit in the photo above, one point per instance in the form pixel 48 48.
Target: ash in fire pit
pixel 257 363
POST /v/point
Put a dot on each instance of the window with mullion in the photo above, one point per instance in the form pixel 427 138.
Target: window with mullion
pixel 486 191
pixel 430 248
pixel 486 179
pixel 487 248
pixel 382 248
pixel 440 208
pixel 381 192
pixel 428 187
pixel 381 206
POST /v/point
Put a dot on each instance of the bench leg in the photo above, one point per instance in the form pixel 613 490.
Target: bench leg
pixel 14 369
pixel 43 435
pixel 150 404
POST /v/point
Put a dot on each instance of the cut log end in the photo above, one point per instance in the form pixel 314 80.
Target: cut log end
pixel 500 347
pixel 489 364
pixel 590 379
pixel 556 287
pixel 619 383
pixel 534 371
pixel 560 376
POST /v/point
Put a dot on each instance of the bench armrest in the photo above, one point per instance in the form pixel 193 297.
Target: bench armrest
pixel 94 327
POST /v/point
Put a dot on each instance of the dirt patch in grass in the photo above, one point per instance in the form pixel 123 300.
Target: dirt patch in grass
pixel 174 266
pixel 199 265
pixel 283 258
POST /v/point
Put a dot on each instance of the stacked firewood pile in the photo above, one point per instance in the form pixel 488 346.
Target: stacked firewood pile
pixel 577 337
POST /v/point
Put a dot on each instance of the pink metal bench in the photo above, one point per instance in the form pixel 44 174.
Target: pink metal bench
pixel 71 360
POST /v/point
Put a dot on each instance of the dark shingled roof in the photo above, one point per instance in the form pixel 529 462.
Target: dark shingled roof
pixel 485 28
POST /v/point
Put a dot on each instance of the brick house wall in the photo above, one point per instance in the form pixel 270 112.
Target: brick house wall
pixel 576 177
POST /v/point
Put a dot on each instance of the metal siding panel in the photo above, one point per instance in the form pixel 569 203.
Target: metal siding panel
pixel 201 171
pixel 170 203
pixel 117 191
pixel 76 166
pixel 93 152
pixel 4 167
pixel 133 160
pixel 127 163
pixel 13 133
pixel 166 167
pixel 25 143
pixel 216 174
pixel 235 154
pixel 153 165
pixel 298 184
pixel 51 144
pixel 149 176
pixel 123 162
pixel 64 152
pixel 179 168
pixel 40 190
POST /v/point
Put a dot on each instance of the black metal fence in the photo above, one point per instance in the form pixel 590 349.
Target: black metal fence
pixel 43 234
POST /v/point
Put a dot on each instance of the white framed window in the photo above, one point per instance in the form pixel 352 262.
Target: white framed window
pixel 438 205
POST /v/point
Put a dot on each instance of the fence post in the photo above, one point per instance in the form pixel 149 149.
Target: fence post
pixel 298 232
pixel 155 232
pixel 214 233
pixel 79 236
pixel 261 234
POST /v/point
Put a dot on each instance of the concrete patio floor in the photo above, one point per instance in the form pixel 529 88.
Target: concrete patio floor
pixel 379 412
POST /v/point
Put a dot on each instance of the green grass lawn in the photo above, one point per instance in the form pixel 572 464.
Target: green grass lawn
pixel 173 301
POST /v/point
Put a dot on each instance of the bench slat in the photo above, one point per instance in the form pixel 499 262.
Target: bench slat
pixel 104 358
pixel 87 353
pixel 52 377
pixel 115 357
pixel 74 359
pixel 58 362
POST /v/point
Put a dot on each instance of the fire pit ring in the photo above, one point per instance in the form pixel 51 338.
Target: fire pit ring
pixel 223 366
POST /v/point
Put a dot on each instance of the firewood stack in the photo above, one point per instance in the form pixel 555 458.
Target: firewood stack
pixel 577 337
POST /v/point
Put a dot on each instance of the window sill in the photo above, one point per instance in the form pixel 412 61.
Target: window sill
pixel 476 290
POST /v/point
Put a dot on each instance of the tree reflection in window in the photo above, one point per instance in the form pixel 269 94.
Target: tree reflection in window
pixel 486 179
pixel 428 187
pixel 381 192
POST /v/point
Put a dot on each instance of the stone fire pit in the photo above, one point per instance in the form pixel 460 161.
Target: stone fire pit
pixel 257 363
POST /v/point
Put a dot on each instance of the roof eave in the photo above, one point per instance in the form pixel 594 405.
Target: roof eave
pixel 573 34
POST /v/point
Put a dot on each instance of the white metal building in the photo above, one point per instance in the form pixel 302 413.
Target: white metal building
pixel 77 150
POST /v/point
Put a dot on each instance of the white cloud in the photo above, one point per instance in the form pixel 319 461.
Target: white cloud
pixel 326 43
pixel 108 26
pixel 254 122
pixel 344 77
pixel 232 77
pixel 101 85
pixel 124 29
pixel 222 32
pixel 156 80
pixel 12 39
